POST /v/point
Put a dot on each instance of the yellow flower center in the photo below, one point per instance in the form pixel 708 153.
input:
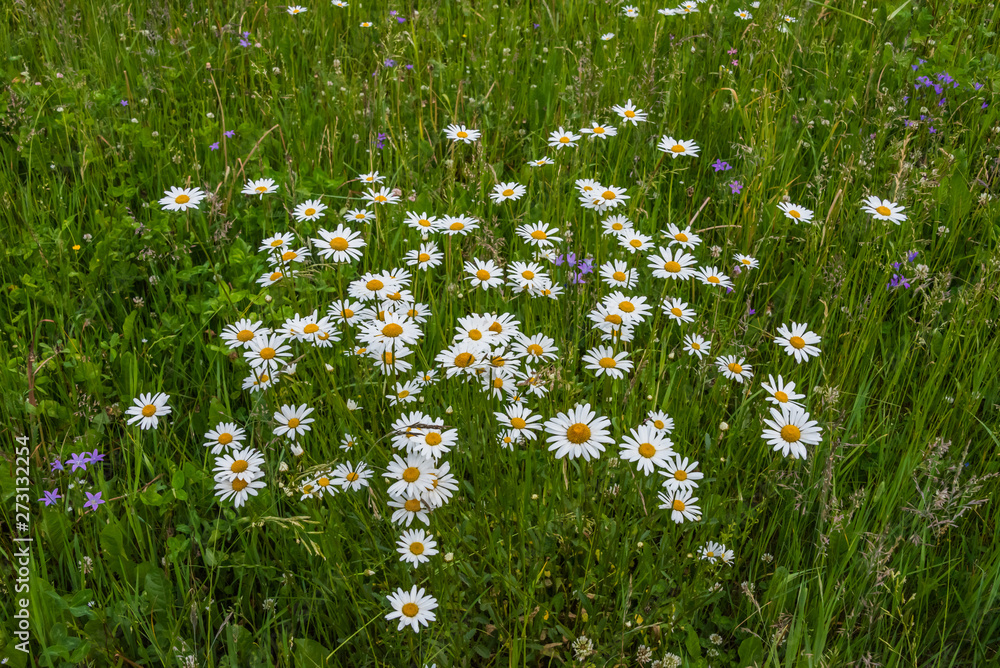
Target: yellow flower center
pixel 676 312
pixel 462 134
pixel 578 433
pixel 496 327
pixel 275 276
pixel 679 506
pixel 182 199
pixel 608 363
pixel 713 279
pixel 239 466
pixel 403 394
pixel 680 474
pixel 619 276
pixel 374 285
pixel 497 361
pixel 456 226
pixel 411 473
pixel 244 335
pixel 338 243
pixel 626 306
pixel 680 236
pixel 464 359
pixel 735 368
pixel 518 423
pixel 535 349
pixel 263 378
pixel 347 313
pixel 261 189
pixel 475 334
pixel 659 424
pixel 629 113
pixel 797 342
pixel 267 353
pixel 311 328
pixel 677 148
pixel 352 476
pixel 647 450
pixel 411 609
pixel 423 257
pixel 617 227
pixel 293 423
pixel 149 410
pixel 239 485
pixel 310 211
pixel 710 554
pixel 360 216
pixel 277 242
pixel 381 198
pixel 884 210
pixel 794 213
pixel 412 505
pixel 392 330
pixel 635 243
pixel 483 275
pixel 613 318
pixel 790 433
pixel 433 438
pixel 598 131
pixel 538 234
pixel 528 274
pixel 498 383
pixel 564 140
pixel 225 439
pixel 781 396
pixel 507 192
pixel 696 346
pixel 609 194
pixel 416 548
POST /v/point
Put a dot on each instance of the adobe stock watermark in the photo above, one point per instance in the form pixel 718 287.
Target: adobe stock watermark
pixel 22 546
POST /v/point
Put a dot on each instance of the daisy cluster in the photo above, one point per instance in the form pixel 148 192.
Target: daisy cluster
pixel 491 353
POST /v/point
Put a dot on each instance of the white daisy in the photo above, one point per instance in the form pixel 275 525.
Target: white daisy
pixel 681 504
pixel 648 447
pixel 147 409
pixel 293 420
pixel 798 341
pixel 413 608
pixel 790 430
pixel 578 433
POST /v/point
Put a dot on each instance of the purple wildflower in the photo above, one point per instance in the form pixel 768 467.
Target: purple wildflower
pixel 409 66
pixel 229 133
pixel 78 460
pixel 911 256
pixel 389 62
pixel 731 51
pixel 96 456
pixel 94 500
pixel 587 265
pixel 214 147
pixel 721 166
pixel 124 103
pixel 400 19
pixel 751 311
pixel 50 497
pixel 735 187
pixel 57 466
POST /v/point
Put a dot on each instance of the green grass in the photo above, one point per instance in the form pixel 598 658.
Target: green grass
pixel 872 551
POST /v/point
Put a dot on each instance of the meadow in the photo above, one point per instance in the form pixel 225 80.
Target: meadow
pixel 537 333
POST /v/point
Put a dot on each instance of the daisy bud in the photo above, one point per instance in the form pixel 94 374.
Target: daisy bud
pixel 449 556
pixel 534 497
pixel 369 572
pixel 283 467
pixel 649 397
pixel 424 237
pixel 640 544
pixel 297 449
pixel 723 426
pixel 267 298
pixel 670 356
pixel 449 410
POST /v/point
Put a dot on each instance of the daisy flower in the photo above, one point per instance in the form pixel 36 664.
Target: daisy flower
pixel 293 421
pixel 746 261
pixel 147 409
pixel 369 286
pixel 410 476
pixel 561 139
pixel 240 465
pixel 608 36
pixel 578 433
pixel 267 352
pixel 684 238
pixel 883 209
pixel 629 112
pixel 660 421
pixel 677 310
pixel 781 393
pixel 674 264
pixel 733 368
pixel 237 490
pixel 540 235
pixel 347 442
pixel 416 547
pixel 507 191
pixel 359 216
pixel 632 309
pixel 521 421
pixel 393 331
pixel 649 448
pixel 484 275
pixel 181 199
pixel 426 258
pixel 260 187
pixel 603 360
pixel 464 357
pixel 795 212
pixel 225 436
pixel 681 474
pixel 630 12
pixel 616 224
pixel 371 177
pixel 696 345
pixel 296 9
pixel 743 14
pixel 681 504
pixel 433 442
pixel 351 478
pixel 604 198
pixel 276 243
pixel 461 133
pixel 409 508
pixel 413 608
pixel 713 551
pixel 319 486
pixel 270 278
pixel 341 245
pixel 421 222
pixel 537 347
pixel 259 383
pixel 790 430
pixel 452 225
pixel 598 130
pixel 616 274
pixel 712 276
pixel 289 256
pixel 634 242
pixel 525 275
pixel 798 341
pixel 347 312
pixel 241 333
pixel 381 196
pixel 404 393
pixel 311 209
pixel 678 147
pixel 541 162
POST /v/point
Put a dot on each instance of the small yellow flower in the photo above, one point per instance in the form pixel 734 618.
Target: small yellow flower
pixel 76 247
